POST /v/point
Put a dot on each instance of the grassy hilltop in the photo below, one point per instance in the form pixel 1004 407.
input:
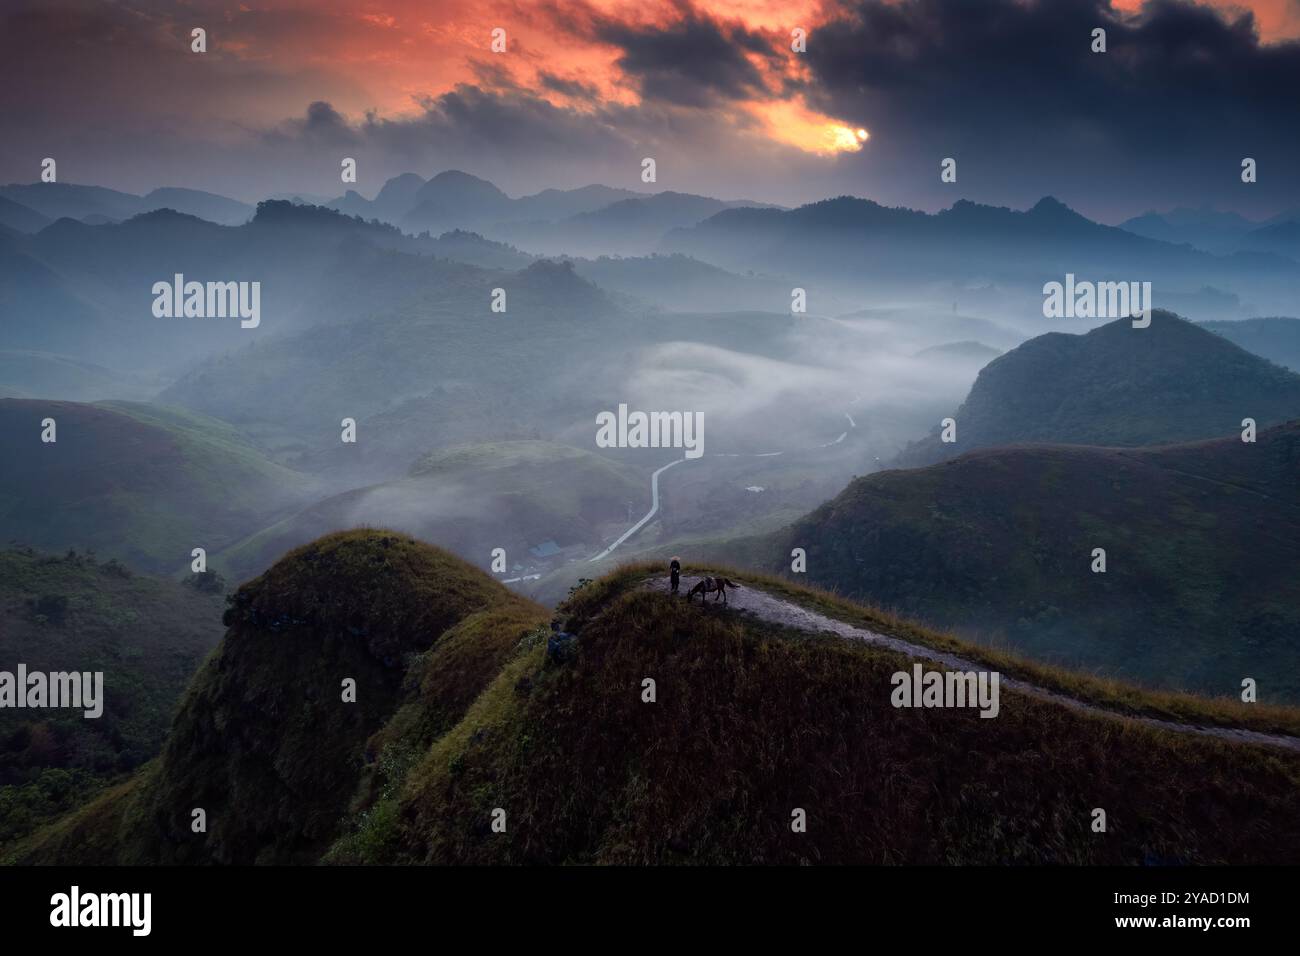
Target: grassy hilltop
pixel 1115 385
pixel 462 709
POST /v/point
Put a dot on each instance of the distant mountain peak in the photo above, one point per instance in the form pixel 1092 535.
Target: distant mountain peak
pixel 1076 389
pixel 1051 206
pixel 460 178
pixel 402 178
pixel 551 269
pixel 164 214
pixel 283 212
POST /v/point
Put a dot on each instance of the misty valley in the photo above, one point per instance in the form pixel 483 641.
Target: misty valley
pixel 456 455
pixel 517 460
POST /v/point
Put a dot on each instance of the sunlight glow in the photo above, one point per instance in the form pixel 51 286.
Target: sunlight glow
pixel 796 125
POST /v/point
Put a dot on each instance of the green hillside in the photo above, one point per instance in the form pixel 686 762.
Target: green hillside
pixel 42 374
pixel 145 634
pixel 1202 585
pixel 1116 385
pixel 465 708
pixel 143 483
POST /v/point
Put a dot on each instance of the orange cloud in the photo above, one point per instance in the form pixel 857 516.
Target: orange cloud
pixel 391 57
pixel 1277 19
pixel 792 123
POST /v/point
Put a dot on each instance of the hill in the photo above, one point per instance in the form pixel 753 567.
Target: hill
pixel 142 483
pixel 19 218
pixel 631 225
pixel 29 287
pixel 680 284
pixel 474 373
pixel 1117 385
pixel 73 613
pixel 965 350
pixel 1276 339
pixel 454 199
pixel 263 742
pixel 196 202
pixel 313 265
pixel 466 711
pixel 1201 585
pixel 1204 228
pixel 87 203
pixel 1282 238
pixel 72 200
pixel 872 248
pixel 45 375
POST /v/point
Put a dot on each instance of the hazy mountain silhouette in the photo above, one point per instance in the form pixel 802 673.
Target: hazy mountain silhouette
pixel 20 218
pixel 60 200
pixel 1206 229
pixel 852 240
pixel 1282 238
pixel 1276 339
pixel 454 199
pixel 1117 385
pixel 195 202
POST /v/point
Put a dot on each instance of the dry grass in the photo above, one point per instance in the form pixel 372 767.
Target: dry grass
pixel 1111 694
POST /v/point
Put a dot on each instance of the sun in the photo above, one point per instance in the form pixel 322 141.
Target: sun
pixel 842 139
pixel 793 123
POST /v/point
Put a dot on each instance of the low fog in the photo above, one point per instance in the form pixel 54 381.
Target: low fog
pixel 814 346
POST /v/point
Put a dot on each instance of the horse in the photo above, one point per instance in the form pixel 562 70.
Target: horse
pixel 709 585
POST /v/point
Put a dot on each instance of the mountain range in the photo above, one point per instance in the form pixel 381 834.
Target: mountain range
pixel 51 201
pixel 1213 231
pixel 430 365
pixel 855 243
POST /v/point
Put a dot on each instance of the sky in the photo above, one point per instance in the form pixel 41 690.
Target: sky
pixel 713 91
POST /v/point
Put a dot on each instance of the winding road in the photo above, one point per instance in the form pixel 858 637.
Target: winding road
pixel 654 509
pixel 654 484
pixel 777 610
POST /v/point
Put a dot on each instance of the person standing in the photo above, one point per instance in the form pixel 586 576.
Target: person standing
pixel 675 573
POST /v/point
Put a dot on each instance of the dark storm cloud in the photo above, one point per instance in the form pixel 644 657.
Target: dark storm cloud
pixel 503 133
pixel 524 143
pixel 323 126
pixel 567 86
pixel 1012 90
pixel 696 61
pixel 1007 87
